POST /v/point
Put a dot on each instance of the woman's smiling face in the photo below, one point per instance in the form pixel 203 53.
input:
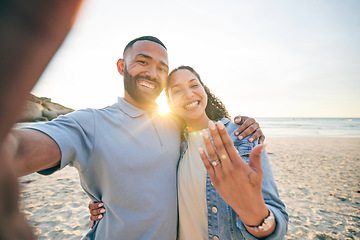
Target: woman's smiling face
pixel 187 97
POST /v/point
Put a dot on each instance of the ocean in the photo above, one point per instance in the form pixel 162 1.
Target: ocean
pixel 302 127
pixel 310 127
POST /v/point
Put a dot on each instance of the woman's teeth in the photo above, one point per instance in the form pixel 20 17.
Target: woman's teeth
pixel 191 105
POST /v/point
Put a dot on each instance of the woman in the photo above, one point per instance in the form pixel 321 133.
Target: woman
pixel 226 192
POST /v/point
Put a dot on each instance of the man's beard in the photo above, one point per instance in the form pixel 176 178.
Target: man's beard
pixel 140 96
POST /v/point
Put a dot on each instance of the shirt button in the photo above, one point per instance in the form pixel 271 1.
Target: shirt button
pixel 214 209
pixel 215 238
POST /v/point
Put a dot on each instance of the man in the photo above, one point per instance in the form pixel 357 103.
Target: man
pixel 126 154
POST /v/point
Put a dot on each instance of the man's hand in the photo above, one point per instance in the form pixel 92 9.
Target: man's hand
pixel 248 126
pixel 96 211
pixel 238 184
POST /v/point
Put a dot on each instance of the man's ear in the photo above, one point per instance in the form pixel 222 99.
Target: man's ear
pixel 121 66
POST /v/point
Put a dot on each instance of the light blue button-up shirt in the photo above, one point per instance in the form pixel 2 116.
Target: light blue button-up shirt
pixel 126 159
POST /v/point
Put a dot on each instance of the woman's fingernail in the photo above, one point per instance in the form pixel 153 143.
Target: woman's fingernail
pixel 201 151
pixel 100 204
pixel 211 125
pixel 220 125
pixel 102 210
pixel 240 137
pixel 100 217
pixel 251 139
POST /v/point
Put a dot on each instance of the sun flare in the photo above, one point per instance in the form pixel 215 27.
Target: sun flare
pixel 162 102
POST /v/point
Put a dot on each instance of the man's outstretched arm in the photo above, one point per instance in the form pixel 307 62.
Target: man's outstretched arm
pixel 31 32
pixel 31 151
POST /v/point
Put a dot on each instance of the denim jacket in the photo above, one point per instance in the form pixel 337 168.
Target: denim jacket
pixel 222 223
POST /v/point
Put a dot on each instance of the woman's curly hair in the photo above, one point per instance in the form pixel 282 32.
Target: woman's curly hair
pixel 215 109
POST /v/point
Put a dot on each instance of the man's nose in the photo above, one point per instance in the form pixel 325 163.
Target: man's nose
pixel 151 72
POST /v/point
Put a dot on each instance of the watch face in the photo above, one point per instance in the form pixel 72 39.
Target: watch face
pixel 268 222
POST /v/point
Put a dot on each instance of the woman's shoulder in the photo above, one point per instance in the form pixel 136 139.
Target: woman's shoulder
pixel 231 128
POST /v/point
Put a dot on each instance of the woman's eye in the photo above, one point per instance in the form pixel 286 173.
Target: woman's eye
pixel 142 62
pixel 195 85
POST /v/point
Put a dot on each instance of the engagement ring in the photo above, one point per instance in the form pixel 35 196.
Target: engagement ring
pixel 215 162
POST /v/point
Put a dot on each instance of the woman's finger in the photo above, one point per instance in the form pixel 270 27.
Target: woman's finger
pixel 209 167
pixel 228 145
pixel 214 159
pixel 262 139
pixel 255 158
pixel 209 146
pixel 219 145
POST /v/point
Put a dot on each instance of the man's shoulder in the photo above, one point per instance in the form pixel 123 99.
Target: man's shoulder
pixel 95 112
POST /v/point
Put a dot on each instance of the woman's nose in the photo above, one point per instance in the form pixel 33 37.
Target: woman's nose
pixel 189 93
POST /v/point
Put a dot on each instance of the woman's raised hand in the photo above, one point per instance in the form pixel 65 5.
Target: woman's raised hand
pixel 238 183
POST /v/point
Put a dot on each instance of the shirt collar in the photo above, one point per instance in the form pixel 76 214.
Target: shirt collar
pixel 225 121
pixel 129 109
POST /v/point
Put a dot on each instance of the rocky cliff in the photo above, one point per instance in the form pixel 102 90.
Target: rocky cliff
pixel 42 109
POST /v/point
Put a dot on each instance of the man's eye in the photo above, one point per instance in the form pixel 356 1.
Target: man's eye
pixel 195 85
pixel 141 62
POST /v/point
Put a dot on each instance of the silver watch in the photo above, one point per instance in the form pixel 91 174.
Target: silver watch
pixel 266 224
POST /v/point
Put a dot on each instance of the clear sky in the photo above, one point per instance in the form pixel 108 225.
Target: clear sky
pixel 278 58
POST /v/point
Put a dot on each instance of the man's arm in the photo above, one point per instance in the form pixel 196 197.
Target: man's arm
pixel 31 151
pixel 31 32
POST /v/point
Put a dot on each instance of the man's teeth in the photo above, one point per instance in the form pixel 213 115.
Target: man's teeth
pixel 148 85
pixel 193 104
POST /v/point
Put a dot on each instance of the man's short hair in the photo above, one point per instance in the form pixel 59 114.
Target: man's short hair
pixel 144 38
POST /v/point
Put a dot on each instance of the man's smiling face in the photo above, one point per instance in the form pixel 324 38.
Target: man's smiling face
pixel 145 69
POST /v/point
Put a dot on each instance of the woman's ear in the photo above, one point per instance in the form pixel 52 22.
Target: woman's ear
pixel 121 66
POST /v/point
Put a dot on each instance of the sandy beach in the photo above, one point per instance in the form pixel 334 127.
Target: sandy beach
pixel 318 179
